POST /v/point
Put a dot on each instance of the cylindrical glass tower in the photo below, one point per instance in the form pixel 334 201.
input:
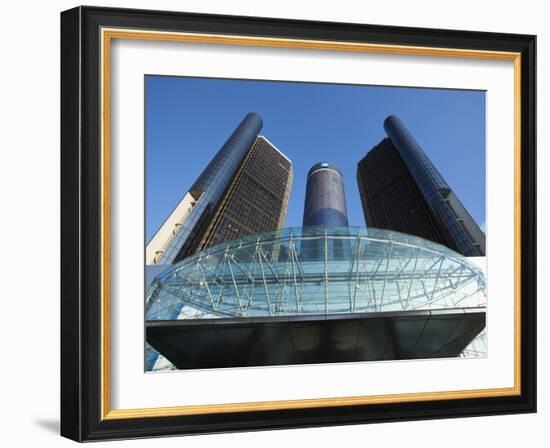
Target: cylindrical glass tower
pixel 217 174
pixel 210 186
pixel 437 193
pixel 325 203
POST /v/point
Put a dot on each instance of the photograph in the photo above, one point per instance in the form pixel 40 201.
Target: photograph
pixel 279 223
pixel 306 223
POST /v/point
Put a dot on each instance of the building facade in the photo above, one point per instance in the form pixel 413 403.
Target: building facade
pixel 325 211
pixel 325 203
pixel 181 233
pixel 402 190
pixel 256 201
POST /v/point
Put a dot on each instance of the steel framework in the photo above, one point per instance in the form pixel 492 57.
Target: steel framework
pixel 316 270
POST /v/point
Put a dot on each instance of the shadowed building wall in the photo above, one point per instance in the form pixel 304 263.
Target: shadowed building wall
pixel 402 190
pixel 257 198
pixel 180 234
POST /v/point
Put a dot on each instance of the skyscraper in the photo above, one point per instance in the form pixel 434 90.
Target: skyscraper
pixel 257 198
pixel 325 202
pixel 324 208
pixel 180 234
pixel 402 190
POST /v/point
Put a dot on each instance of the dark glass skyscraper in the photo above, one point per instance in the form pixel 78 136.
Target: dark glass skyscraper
pixel 325 206
pixel 402 190
pixel 217 174
pixel 181 233
pixel 325 203
pixel 257 199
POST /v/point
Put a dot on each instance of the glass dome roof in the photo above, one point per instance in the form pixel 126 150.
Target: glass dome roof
pixel 314 271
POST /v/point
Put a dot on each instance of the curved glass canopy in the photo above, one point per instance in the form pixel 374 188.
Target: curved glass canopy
pixel 316 271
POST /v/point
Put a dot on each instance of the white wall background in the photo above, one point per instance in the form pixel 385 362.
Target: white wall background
pixel 29 186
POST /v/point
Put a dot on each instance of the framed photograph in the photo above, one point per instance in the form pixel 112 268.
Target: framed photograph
pixel 274 223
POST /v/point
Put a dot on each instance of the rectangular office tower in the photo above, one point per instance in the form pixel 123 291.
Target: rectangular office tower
pixel 256 200
pixel 402 190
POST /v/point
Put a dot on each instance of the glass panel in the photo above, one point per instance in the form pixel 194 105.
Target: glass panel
pixel 316 271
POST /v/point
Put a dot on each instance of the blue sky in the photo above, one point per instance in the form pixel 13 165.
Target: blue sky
pixel 188 119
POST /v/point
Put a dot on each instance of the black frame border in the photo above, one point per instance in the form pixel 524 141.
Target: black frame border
pixel 81 225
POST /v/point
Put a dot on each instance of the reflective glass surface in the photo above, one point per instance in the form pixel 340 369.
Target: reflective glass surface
pixel 325 202
pixel 211 184
pixel 313 271
pixel 431 184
